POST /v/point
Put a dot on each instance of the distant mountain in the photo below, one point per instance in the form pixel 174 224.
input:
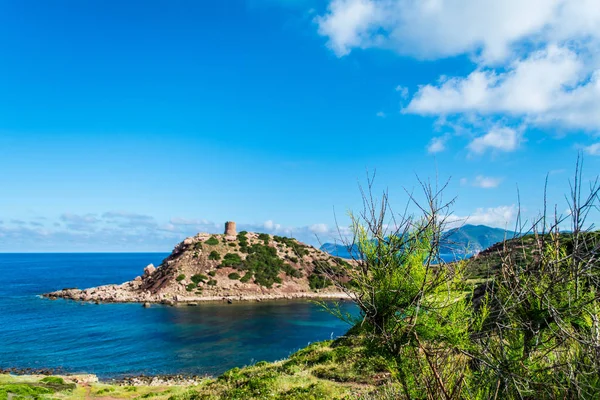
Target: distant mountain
pixel 461 242
pixel 471 239
pixel 337 250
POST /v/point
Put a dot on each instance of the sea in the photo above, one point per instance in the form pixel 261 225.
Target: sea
pixel 119 340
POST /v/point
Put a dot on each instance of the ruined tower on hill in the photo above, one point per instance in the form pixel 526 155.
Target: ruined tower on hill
pixel 230 228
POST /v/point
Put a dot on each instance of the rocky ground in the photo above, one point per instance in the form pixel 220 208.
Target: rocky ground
pixel 208 267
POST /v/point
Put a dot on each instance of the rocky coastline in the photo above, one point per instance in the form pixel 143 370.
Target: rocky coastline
pixel 116 294
pixel 224 268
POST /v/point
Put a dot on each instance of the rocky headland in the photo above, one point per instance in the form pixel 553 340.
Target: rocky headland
pixel 228 267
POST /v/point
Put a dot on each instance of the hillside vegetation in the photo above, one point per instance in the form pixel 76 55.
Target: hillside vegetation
pixel 248 266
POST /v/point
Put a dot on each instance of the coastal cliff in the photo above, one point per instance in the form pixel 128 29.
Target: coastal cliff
pixel 209 267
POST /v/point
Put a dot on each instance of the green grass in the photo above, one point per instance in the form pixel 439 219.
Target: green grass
pixel 341 369
pixel 325 370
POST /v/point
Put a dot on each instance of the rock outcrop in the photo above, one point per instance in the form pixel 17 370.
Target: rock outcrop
pixel 246 266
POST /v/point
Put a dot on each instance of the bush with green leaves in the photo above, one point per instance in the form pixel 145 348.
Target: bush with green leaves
pixel 298 249
pixel 317 281
pixel 234 276
pixel 242 238
pixel 197 278
pixel 264 264
pixel 212 282
pixel 231 260
pixel 191 286
pixel 265 238
pixel 213 241
pixel 530 330
pixel 291 271
pixel 214 255
pixel 180 277
pixel 212 273
pixel 246 278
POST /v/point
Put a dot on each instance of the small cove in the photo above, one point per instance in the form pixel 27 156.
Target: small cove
pixel 115 340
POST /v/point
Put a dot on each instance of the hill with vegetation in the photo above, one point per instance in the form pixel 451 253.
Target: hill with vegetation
pixel 471 239
pixel 246 266
pixel 462 241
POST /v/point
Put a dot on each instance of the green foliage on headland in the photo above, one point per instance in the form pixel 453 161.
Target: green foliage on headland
pixel 213 241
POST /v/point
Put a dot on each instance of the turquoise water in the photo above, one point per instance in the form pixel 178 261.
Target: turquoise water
pixel 114 340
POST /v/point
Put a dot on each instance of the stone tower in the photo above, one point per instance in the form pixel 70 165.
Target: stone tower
pixel 230 228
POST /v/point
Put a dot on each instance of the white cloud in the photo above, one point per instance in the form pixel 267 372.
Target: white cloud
pixel 551 86
pixel 271 226
pixel 402 90
pixel 537 61
pixel 498 217
pixel 319 228
pixel 593 150
pixel 488 29
pixel 498 139
pixel 348 24
pixel 80 219
pixel 486 182
pixel 380 114
pixel 437 145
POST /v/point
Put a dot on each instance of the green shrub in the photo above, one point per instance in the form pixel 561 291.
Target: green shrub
pixel 214 255
pixel 234 276
pixel 265 238
pixel 180 277
pixel 265 265
pixel 199 278
pixel 231 244
pixel 317 281
pixel 212 273
pixel 23 391
pixel 246 277
pixel 198 246
pixel 297 248
pixel 291 271
pixel 212 282
pixel 191 287
pixel 55 380
pixel 212 241
pixel 231 260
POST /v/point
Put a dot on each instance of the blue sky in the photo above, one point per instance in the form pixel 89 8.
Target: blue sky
pixel 127 126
